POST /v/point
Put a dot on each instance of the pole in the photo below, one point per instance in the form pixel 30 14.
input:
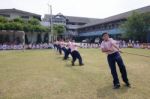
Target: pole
pixel 23 41
pixel 51 23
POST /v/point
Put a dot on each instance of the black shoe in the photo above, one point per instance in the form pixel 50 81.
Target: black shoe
pixel 116 86
pixel 128 84
pixel 81 64
pixel 64 58
pixel 72 63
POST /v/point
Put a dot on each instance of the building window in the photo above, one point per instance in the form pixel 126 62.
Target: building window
pixel 4 15
pixel 25 17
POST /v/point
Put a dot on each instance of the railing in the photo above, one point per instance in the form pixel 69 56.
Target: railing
pixel 97 33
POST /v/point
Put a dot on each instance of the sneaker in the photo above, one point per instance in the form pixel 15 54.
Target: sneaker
pixel 116 86
pixel 128 84
pixel 81 64
pixel 72 63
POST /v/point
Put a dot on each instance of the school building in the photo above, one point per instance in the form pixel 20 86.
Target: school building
pixel 82 28
pixel 79 28
pixel 110 25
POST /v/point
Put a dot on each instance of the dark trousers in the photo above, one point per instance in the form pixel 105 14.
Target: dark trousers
pixel 60 49
pixel 55 46
pixel 112 60
pixel 68 51
pixel 76 55
pixel 65 51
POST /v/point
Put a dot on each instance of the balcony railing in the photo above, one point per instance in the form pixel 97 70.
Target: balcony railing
pixel 98 33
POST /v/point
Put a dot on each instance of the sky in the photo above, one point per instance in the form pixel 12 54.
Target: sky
pixel 82 8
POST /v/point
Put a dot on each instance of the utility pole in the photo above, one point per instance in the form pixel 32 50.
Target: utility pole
pixel 23 38
pixel 51 24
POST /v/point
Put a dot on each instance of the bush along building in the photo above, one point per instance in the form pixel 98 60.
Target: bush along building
pixel 17 26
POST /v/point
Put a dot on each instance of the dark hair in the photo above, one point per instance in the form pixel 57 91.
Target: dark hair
pixel 104 34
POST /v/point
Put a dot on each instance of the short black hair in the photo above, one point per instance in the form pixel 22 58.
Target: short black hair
pixel 104 34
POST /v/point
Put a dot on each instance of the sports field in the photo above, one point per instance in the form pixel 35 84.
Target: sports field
pixel 42 74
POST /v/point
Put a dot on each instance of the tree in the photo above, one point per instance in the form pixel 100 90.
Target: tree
pixel 137 26
pixel 26 39
pixel 19 20
pixel 58 30
pixel 39 39
pixel 34 21
pixel 2 27
pixel 13 26
pixel 46 38
pixel 3 19
pixel 27 27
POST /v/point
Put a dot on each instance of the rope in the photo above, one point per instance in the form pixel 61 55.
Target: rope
pixel 137 54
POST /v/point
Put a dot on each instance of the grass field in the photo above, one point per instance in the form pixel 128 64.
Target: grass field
pixel 42 74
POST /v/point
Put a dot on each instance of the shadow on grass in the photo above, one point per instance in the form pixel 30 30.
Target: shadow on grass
pixel 109 92
pixel 70 65
pixel 59 57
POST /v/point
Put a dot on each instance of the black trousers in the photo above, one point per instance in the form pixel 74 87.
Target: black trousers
pixel 68 51
pixel 112 60
pixel 76 55
pixel 60 49
pixel 65 51
pixel 55 46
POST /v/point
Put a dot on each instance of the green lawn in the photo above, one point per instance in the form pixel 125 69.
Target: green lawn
pixel 42 74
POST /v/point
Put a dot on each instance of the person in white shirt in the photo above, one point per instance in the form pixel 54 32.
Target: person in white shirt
pixel 1 47
pixel 64 49
pixel 68 49
pixel 109 47
pixel 59 47
pixel 75 54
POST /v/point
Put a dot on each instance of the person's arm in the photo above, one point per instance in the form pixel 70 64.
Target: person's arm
pixel 103 48
pixel 106 50
pixel 114 45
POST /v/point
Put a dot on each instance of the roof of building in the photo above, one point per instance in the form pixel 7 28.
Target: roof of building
pixel 75 19
pixel 118 17
pixel 82 19
pixel 19 11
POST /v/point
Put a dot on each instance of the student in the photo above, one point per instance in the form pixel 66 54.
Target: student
pixel 55 45
pixel 59 47
pixel 68 50
pixel 64 49
pixel 109 47
pixel 75 54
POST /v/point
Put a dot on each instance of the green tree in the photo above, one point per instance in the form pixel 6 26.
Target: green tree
pixel 13 26
pixel 3 19
pixel 34 21
pixel 32 25
pixel 19 20
pixel 27 27
pixel 137 26
pixel 58 30
pixel 2 27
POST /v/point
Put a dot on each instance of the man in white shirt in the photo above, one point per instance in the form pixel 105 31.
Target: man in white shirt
pixel 59 46
pixel 68 50
pixel 64 49
pixel 75 54
pixel 109 47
